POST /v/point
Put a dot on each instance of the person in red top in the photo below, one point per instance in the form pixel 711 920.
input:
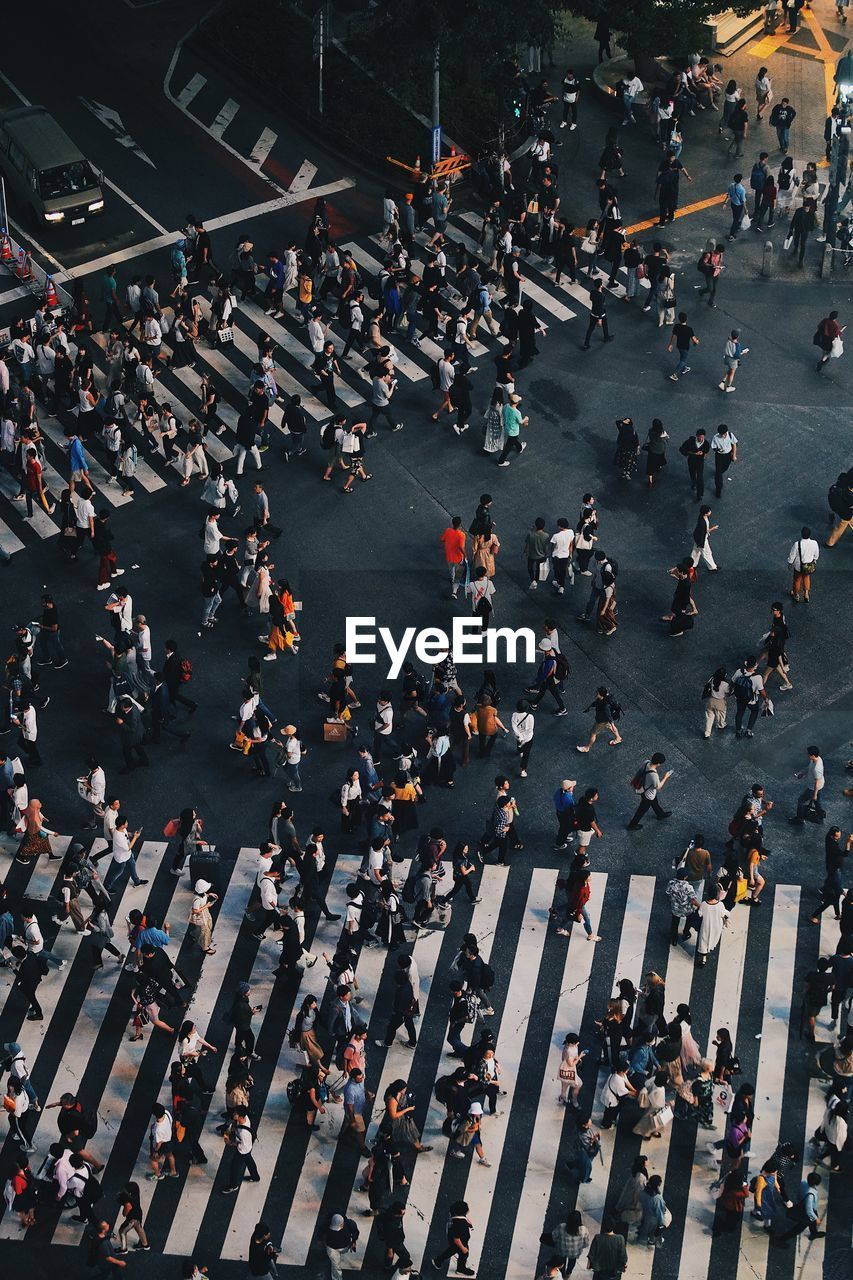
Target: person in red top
pixel 827 331
pixel 453 541
pixel 34 484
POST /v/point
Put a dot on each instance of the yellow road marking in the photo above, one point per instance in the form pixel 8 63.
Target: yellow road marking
pixel 679 213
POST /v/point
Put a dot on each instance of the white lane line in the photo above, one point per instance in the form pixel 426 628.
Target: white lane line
pixel 770 1077
pixel 137 207
pixel 224 117
pixel 199 1183
pixel 281 202
pixel 725 1012
pixel 515 1019
pixel 426 1178
pixel 629 964
pixel 9 541
pixel 191 90
pixel 548 1127
pixel 263 147
pixel 303 178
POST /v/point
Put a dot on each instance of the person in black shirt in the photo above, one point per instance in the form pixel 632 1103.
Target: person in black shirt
pixel 696 449
pixel 683 337
pixel 458 1238
pixel 666 186
pixel 683 607
pixel 262 1252
pixel 173 674
pixel 598 314
pixel 565 253
pixel 48 646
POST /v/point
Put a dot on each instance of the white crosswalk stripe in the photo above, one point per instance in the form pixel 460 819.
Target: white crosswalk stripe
pixel 521 1021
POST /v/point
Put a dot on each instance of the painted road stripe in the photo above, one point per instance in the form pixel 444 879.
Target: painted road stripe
pixel 224 117
pixel 190 90
pixel 548 1127
pixel 515 1019
pixel 200 1182
pixel 40 520
pixel 263 147
pixel 8 540
pixel 426 1177
pixel 725 1012
pixel 303 178
pixel 770 1076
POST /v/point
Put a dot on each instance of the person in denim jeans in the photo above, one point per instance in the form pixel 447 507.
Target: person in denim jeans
pixel 16 1064
pixel 736 198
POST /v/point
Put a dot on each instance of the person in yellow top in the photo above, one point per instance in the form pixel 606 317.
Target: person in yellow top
pixel 305 295
pixel 404 801
pixel 756 880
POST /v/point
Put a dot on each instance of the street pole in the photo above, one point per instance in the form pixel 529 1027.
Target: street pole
pixel 436 84
pixel 322 42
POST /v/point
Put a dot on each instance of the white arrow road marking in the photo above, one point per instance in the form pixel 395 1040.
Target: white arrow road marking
pixel 303 178
pixel 115 124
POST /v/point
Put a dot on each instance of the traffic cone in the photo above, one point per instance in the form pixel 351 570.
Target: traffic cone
pixel 5 247
pixel 19 270
pixel 50 297
pixel 27 273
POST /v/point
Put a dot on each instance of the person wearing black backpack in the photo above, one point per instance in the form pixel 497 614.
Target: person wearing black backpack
pixel 553 669
pixel 607 712
pixel 748 689
pixel 649 783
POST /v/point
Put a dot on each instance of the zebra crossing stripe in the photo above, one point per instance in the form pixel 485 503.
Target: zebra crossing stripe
pixel 224 117
pixel 548 1126
pixel 217 360
pixel 725 1012
pixel 629 964
pixel 9 542
pixel 302 1216
pixel 514 1018
pixel 770 1077
pixel 199 1183
pixel 191 90
pixel 277 331
pixel 40 520
pixel 425 1181
pixel 100 991
pixel 263 147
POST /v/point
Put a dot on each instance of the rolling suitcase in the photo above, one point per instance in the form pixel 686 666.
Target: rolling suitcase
pixel 207 865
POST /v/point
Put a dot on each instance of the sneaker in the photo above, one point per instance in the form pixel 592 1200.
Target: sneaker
pixel 58 919
pixel 102 586
pixel 380 1044
pixel 572 126
pixel 503 464
pixel 523 447
pixel 673 377
pixel 487 1013
pixel 270 657
pixel 140 1248
pixel 564 933
pixel 729 390
pixel 57 666
pixel 117 574
pixel 721 385
pixel 398 426
pixel 593 937
pixel 564 712
pixel 564 124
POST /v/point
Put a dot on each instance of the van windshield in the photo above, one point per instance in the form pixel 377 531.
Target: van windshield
pixel 67 180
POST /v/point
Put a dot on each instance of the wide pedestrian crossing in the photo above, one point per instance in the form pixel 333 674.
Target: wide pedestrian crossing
pixel 545 987
pixel 230 368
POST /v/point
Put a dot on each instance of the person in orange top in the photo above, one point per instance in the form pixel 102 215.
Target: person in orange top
pixel 453 541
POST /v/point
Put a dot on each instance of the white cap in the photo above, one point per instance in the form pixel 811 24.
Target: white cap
pixel 202 886
pixel 475 1109
pixel 337 1222
pixel 568 783
pixel 545 645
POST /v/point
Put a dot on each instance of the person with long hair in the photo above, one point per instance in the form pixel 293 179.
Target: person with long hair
pixel 36 838
pixel 716 691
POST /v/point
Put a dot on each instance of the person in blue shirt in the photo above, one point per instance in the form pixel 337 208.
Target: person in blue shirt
pixel 736 198
pixel 77 462
pixel 564 807
pixel 804 1215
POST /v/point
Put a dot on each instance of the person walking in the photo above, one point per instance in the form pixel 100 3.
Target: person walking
pixel 803 558
pixel 781 118
pixel 565 809
pixel 702 540
pixel 649 783
pixel 724 449
pixel 711 265
pixel 696 449
pixel 804 1213
pixel 512 424
pixel 732 354
pixel 828 338
pixel 608 1254
pixel 748 689
pixel 597 314
pixel 606 712
pixel 459 1228
pixel 736 196
pixel 715 692
pixel 682 337
pixel 240 1139
pixel 809 798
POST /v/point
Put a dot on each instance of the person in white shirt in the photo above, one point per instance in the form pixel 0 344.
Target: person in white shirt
pixel 26 720
pixel 562 546
pixel 142 641
pixel 724 449
pixel 120 605
pixel 35 941
pixel 123 856
pixel 268 890
pixel 631 89
pixel 162 1152
pixel 21 1119
pixel 803 558
pixel 446 378
pixel 523 724
pixel 111 809
pixel 317 332
pixel 291 757
pixel 809 797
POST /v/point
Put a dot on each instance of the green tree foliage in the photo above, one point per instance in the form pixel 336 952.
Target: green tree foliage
pixel 657 27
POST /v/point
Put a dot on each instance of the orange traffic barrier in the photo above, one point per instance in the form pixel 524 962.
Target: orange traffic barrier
pixel 5 248
pixel 50 297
